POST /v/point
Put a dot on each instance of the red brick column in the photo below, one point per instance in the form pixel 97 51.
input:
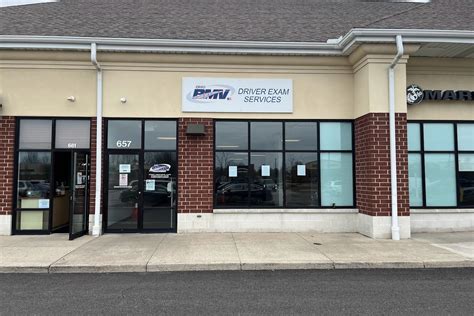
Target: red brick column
pixel 372 156
pixel 195 168
pixel 7 154
pixel 93 165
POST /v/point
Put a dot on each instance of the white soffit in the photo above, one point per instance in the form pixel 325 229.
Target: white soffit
pixel 446 50
pixel 11 3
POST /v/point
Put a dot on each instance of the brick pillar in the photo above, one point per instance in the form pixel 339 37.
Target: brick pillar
pixel 195 168
pixel 372 155
pixel 7 154
pixel 93 165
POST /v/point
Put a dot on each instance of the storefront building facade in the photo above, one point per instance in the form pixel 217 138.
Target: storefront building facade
pixel 238 140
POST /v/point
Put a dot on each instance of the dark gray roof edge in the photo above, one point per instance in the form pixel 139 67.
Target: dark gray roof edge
pixel 340 46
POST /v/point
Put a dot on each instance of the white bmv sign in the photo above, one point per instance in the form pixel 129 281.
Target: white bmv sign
pixel 237 95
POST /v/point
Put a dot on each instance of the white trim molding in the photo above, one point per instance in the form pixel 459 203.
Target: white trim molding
pixel 342 46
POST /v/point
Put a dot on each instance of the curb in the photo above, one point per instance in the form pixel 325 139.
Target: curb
pixel 262 266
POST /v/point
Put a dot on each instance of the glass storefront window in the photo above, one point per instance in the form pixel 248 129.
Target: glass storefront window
pixel 415 180
pixel 124 134
pixel 34 170
pixel 266 187
pixel 465 136
pixel 72 134
pixel 276 172
pixel 438 136
pixel 336 179
pixel 466 179
pixel 440 180
pixel 32 220
pixel 302 179
pixel 35 134
pixel 231 179
pixel 301 136
pixel 414 136
pixel 434 154
pixel 231 135
pixel 160 135
pixel 335 135
pixel 266 135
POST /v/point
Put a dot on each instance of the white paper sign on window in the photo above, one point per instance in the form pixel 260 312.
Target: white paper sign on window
pixel 43 203
pixel 301 170
pixel 232 171
pixel 123 180
pixel 237 95
pixel 150 185
pixel 124 168
pixel 265 170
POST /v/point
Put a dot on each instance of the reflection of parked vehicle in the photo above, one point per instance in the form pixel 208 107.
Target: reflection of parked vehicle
pixel 234 192
pixel 158 197
pixel 36 190
pixel 270 184
pixel 23 187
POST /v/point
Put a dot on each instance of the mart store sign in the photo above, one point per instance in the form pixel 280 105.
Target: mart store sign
pixel 237 95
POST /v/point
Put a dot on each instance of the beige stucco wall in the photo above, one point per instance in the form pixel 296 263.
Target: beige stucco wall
pixel 44 92
pixel 318 94
pixel 371 85
pixel 38 83
pixel 441 74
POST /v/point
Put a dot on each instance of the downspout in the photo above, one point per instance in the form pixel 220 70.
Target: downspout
pixel 96 229
pixel 393 145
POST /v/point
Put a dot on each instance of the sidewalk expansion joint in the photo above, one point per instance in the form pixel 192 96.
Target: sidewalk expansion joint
pixel 156 249
pixel 53 263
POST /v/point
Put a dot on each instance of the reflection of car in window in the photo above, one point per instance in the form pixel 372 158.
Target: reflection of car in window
pixel 160 196
pixel 24 186
pixel 36 189
pixel 235 191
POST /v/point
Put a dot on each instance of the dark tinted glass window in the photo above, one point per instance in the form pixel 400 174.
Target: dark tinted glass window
pixel 34 170
pixel 302 179
pixel 124 134
pixel 301 136
pixel 160 135
pixel 266 179
pixel 231 135
pixel 231 179
pixel 266 135
pixel 466 179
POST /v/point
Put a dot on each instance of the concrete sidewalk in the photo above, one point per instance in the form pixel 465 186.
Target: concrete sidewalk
pixel 237 251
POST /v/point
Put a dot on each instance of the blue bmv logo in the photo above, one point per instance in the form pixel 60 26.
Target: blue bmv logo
pixel 206 94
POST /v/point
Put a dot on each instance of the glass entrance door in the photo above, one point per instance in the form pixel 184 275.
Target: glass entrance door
pixel 78 210
pixel 141 198
pixel 123 192
pixel 142 171
pixel 159 195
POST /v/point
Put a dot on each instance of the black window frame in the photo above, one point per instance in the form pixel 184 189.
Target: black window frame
pixel 283 151
pixel 51 150
pixel 141 155
pixel 455 152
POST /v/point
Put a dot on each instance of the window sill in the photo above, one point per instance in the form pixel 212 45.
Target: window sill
pixel 288 211
pixel 442 211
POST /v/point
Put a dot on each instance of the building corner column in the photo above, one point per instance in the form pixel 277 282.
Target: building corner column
pixel 7 156
pixel 372 140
